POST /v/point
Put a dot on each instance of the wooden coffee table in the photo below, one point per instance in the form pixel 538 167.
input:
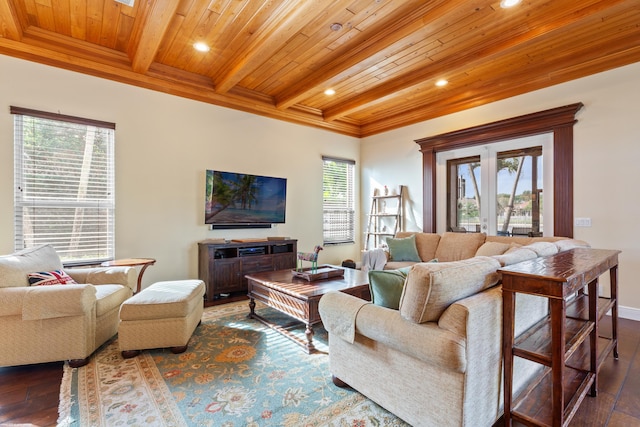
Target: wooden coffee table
pixel 299 298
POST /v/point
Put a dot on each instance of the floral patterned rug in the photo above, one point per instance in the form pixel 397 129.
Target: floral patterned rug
pixel 236 372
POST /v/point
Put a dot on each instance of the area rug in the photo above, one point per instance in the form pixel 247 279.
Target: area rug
pixel 236 372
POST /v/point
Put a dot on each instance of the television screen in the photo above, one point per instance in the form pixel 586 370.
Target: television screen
pixel 236 198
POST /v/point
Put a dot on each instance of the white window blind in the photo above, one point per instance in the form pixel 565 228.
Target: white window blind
pixel 338 200
pixel 64 184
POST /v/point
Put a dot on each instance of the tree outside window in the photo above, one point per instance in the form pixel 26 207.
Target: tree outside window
pixel 64 185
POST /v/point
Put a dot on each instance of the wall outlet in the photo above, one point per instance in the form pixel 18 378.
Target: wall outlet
pixel 583 222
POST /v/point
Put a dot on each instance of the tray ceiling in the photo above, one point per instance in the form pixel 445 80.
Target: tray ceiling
pixel 276 58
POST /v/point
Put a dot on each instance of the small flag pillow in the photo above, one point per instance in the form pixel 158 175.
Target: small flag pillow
pixel 56 277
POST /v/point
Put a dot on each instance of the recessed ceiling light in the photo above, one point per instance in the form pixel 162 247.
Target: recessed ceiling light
pixel 329 92
pixel 509 3
pixel 442 82
pixel 201 47
pixel 336 26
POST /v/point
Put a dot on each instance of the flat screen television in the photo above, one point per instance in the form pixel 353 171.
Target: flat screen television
pixel 243 200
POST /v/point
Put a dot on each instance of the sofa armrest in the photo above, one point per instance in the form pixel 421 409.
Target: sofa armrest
pixel 426 342
pixel 47 302
pixel 479 319
pixel 11 300
pixel 339 314
pixel 125 276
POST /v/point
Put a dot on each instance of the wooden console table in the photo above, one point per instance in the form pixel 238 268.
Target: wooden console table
pixel 567 341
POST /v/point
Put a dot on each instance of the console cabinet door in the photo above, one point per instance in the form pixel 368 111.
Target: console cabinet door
pixel 225 276
pixel 284 261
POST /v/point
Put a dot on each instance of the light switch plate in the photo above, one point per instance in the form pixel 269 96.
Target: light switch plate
pixel 583 222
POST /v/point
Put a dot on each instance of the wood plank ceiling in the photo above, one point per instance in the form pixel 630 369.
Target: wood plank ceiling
pixel 276 58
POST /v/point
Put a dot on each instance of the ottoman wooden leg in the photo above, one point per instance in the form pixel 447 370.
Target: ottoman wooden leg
pixel 77 363
pixel 128 354
pixel 337 381
pixel 178 350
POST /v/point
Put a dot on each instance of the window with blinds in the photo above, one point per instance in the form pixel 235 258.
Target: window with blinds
pixel 64 184
pixel 338 201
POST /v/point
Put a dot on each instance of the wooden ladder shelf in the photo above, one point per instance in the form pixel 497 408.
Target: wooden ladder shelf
pixel 385 217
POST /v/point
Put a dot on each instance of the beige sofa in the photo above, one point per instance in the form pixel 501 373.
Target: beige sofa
pixel 437 360
pixel 57 322
pixel 456 246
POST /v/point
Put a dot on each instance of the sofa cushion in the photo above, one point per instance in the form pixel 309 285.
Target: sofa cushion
pixel 14 268
pixel 164 300
pixel 515 255
pixel 109 297
pixel 542 248
pixel 426 243
pixel 458 246
pixel 45 278
pixel 403 249
pixel 393 265
pixel 386 286
pixel 493 248
pixel 521 240
pixel 565 245
pixel 431 287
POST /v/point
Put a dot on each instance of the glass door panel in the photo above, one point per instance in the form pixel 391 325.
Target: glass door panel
pixel 463 207
pixel 496 188
pixel 520 185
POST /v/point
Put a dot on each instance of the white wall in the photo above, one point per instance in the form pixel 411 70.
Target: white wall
pixel 164 144
pixel 606 153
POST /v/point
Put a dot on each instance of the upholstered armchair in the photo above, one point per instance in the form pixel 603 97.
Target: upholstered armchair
pixel 42 322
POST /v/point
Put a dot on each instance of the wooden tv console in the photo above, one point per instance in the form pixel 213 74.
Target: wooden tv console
pixel 223 266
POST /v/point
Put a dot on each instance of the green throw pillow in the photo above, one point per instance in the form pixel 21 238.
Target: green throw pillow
pixel 386 287
pixel 403 249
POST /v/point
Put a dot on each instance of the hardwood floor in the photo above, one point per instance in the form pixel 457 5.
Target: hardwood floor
pixel 29 394
pixel 618 400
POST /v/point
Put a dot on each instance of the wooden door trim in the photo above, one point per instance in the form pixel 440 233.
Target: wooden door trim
pixel 559 121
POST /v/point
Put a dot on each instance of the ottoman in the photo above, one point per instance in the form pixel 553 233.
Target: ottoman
pixel 163 315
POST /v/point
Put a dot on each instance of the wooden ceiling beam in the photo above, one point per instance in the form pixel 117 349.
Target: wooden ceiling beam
pixel 154 27
pixel 10 26
pixel 482 54
pixel 401 28
pixel 282 25
pixel 275 58
pixel 473 97
pixel 114 65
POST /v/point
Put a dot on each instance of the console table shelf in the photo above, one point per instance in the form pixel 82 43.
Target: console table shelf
pixel 567 342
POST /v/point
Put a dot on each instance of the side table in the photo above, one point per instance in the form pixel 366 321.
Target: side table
pixel 132 262
pixel 571 329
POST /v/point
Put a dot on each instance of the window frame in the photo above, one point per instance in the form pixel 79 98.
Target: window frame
pixel 102 199
pixel 344 208
pixel 488 155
